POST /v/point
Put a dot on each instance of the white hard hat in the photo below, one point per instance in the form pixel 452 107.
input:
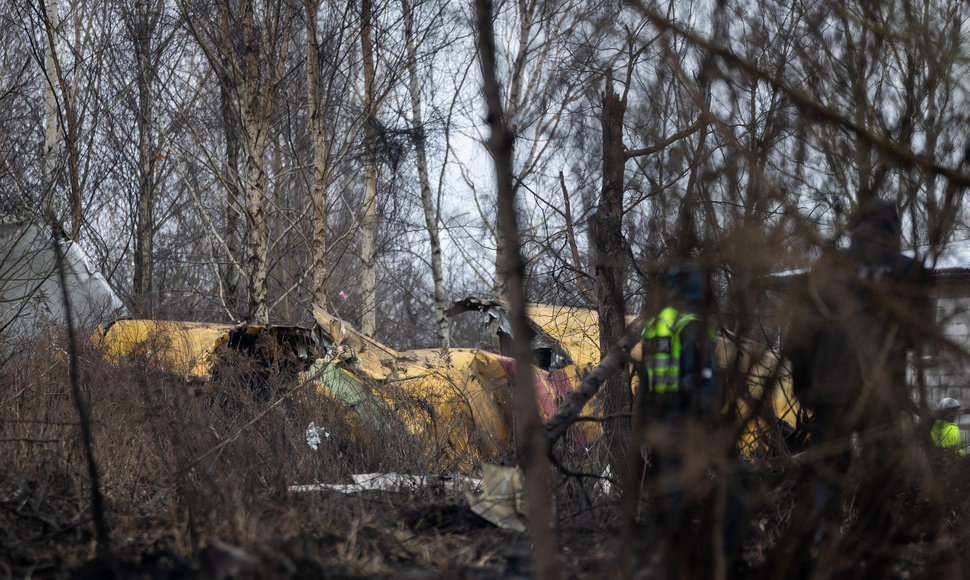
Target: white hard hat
pixel 948 403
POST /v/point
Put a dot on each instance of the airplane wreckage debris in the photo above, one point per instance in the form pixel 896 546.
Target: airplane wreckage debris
pixel 31 291
pixel 455 403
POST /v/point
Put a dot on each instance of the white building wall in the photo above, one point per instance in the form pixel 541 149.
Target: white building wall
pixel 946 371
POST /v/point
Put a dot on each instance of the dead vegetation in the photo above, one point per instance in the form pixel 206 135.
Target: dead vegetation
pixel 195 477
pixel 178 470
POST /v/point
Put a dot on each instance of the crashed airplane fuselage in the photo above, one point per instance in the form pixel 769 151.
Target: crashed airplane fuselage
pixel 455 403
pixel 195 350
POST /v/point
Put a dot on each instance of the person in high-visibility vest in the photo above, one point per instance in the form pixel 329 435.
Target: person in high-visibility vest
pixel 665 343
pixel 946 432
pixel 675 404
pixel 678 353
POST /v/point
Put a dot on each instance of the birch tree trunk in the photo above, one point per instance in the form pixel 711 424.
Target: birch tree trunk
pixel 52 124
pixel 368 277
pixel 318 133
pixel 69 122
pixel 230 179
pixel 442 327
pixel 254 129
pixel 72 123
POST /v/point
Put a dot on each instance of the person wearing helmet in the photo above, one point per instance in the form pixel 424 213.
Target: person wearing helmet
pixel 945 432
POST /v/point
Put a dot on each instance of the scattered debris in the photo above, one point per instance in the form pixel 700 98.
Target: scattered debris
pixel 498 497
pixel 399 482
pixel 501 500
pixel 30 288
pixel 314 434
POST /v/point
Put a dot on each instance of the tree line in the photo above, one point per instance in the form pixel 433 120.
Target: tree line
pixel 244 159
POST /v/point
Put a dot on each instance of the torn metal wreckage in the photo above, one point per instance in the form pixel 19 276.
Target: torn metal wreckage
pixel 455 402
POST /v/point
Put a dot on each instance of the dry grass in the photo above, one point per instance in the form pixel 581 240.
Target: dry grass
pixel 194 487
pixel 185 474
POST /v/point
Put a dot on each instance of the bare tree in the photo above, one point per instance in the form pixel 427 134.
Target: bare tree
pixel 368 224
pixel 72 56
pixel 148 41
pixel 249 52
pixel 431 209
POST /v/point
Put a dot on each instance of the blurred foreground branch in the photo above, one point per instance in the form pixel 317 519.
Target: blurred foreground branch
pixel 84 416
pixel 568 412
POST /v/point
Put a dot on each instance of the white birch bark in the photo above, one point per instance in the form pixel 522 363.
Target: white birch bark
pixel 442 327
pixel 52 124
pixel 368 277
pixel 318 133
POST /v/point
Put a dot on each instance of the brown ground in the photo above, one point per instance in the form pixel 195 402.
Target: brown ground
pixel 195 488
pixel 195 482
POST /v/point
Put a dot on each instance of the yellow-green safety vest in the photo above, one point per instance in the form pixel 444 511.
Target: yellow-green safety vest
pixel 661 349
pixel 947 434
